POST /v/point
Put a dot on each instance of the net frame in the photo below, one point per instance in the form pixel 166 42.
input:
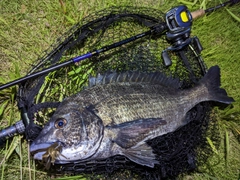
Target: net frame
pixel 98 30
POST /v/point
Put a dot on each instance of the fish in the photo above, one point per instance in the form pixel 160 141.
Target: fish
pixel 118 113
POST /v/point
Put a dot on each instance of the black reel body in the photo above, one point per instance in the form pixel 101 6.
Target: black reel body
pixel 38 98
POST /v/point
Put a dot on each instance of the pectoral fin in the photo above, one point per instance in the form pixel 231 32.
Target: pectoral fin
pixel 131 136
pixel 131 133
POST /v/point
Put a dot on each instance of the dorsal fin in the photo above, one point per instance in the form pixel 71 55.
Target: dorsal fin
pixel 134 77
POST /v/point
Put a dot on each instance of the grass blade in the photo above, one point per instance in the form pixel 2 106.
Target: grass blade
pixel 3 21
pixel 226 146
pixel 233 15
pixel 29 162
pixel 214 149
pixel 15 142
pixel 3 106
pixel 72 177
pixel 188 3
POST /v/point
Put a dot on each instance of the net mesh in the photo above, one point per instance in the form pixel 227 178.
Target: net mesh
pixel 178 152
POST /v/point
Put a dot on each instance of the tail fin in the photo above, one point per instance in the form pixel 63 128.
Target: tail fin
pixel 212 81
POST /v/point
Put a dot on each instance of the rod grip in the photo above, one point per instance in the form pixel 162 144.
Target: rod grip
pixel 198 13
pixel 17 128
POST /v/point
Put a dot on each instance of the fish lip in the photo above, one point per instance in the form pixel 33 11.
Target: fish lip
pixel 35 148
pixel 38 155
pixel 42 147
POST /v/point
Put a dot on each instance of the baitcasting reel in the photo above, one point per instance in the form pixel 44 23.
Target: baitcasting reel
pixel 179 22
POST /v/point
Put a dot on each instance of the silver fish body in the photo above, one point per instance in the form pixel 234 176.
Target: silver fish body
pixel 118 113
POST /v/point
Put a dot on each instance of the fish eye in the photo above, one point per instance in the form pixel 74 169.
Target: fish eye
pixel 60 123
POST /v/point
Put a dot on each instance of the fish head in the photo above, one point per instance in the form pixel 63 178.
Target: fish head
pixel 72 134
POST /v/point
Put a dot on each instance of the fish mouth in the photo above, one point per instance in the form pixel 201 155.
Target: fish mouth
pixel 48 153
pixel 39 150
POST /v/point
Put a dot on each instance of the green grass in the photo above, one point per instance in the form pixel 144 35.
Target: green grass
pixel 27 28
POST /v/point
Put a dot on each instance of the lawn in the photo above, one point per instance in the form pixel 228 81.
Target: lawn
pixel 28 28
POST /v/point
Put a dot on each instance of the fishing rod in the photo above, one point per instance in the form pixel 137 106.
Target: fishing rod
pixel 178 24
pixel 158 29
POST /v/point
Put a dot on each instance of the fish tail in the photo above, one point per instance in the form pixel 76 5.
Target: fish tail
pixel 212 81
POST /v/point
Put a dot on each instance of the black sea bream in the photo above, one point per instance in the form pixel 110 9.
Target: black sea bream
pixel 118 113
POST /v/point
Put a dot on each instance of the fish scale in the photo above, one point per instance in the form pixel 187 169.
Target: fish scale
pixel 130 107
pixel 136 101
